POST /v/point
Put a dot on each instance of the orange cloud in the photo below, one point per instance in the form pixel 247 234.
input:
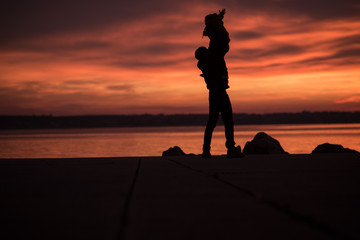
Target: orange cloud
pixel 145 64
pixel 352 99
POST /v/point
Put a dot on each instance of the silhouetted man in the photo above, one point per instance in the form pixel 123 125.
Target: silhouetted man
pixel 212 64
pixel 216 79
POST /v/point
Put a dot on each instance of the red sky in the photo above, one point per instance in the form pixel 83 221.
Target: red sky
pixel 135 57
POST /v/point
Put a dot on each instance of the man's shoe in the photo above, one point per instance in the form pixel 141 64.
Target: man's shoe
pixel 235 152
pixel 206 154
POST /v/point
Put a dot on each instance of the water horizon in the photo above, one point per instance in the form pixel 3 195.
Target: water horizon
pixel 152 141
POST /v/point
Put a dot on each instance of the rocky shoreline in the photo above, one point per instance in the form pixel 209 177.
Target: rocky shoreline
pixel 262 143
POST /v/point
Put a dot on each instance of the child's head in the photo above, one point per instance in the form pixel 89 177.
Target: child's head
pixel 201 53
pixel 213 21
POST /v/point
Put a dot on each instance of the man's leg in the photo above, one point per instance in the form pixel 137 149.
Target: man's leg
pixel 211 123
pixel 210 126
pixel 227 117
pixel 226 113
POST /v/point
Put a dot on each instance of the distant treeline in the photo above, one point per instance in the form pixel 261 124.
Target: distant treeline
pixel 100 121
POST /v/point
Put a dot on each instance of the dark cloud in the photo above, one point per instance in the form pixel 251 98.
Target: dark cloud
pixel 245 35
pixel 283 50
pixel 321 9
pixel 347 53
pixel 82 82
pixel 346 41
pixel 15 97
pixel 153 48
pixel 315 10
pixel 83 45
pixel 168 108
pixel 342 57
pixel 245 54
pixel 28 19
pixel 121 87
pixel 144 63
pixel 256 53
pixel 147 62
pixel 39 98
pixel 53 46
pixel 255 70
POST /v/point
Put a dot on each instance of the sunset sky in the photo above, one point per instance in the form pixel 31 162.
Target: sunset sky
pixel 80 57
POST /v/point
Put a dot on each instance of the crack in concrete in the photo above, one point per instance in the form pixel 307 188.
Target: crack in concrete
pixel 124 218
pixel 302 218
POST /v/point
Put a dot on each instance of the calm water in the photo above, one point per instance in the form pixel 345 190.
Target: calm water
pixel 152 141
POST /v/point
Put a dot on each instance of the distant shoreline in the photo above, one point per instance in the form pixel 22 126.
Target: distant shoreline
pixel 149 120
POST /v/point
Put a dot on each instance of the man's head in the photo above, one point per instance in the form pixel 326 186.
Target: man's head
pixel 211 19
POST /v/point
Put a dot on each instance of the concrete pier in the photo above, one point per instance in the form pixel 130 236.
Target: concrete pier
pixel 256 197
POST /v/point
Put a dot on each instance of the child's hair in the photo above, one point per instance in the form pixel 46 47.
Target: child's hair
pixel 201 53
pixel 213 20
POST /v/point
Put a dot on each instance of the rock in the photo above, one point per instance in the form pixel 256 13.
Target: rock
pixel 174 151
pixel 263 144
pixel 332 148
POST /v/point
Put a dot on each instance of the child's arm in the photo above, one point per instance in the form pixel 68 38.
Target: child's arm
pixel 222 13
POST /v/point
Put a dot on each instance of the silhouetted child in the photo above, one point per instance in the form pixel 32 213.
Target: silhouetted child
pixel 218 35
pixel 216 79
pixel 214 74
